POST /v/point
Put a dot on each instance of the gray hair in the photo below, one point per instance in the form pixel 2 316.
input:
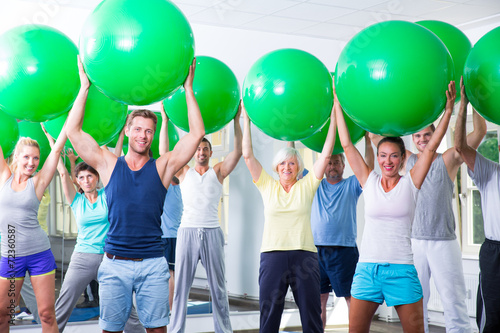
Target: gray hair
pixel 285 154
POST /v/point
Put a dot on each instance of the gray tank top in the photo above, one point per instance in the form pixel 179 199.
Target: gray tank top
pixel 21 232
pixel 434 219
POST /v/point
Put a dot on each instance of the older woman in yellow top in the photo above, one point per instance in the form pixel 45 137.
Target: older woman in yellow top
pixel 288 255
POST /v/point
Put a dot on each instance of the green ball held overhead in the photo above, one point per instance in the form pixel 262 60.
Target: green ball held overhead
pixel 482 76
pixel 217 92
pixel 137 54
pixel 317 140
pixel 455 41
pixel 9 130
pixel 103 120
pixel 288 94
pixel 35 132
pixel 39 73
pixel 392 78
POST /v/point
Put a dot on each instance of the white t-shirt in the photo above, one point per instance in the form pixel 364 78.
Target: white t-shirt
pixel 200 195
pixel 388 220
pixel 486 176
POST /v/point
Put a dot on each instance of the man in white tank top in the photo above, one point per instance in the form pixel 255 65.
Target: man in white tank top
pixel 199 236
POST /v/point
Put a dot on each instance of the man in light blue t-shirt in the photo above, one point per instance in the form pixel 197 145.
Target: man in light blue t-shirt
pixel 333 222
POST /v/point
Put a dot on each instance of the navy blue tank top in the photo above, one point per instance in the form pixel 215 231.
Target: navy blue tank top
pixel 135 202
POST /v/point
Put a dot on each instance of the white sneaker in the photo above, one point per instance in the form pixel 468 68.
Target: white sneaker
pixel 24 316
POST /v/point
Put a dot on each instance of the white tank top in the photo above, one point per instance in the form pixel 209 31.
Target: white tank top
pixel 200 195
pixel 388 220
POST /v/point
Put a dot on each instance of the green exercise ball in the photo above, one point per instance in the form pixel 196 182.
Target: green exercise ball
pixel 114 141
pixel 288 94
pixel 38 72
pixel 217 92
pixel 134 53
pixel 35 132
pixel 457 43
pixel 173 138
pixel 103 119
pixel 482 76
pixel 10 133
pixel 392 78
pixel 317 140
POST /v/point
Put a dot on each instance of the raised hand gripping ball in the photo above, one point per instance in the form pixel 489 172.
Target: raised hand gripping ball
pixel 217 93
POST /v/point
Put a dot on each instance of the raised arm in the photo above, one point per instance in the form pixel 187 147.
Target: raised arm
pixel 422 165
pixel 4 168
pixel 224 168
pixel 477 135
pixel 163 144
pixel 67 183
pixel 467 153
pixel 119 143
pixel 100 159
pixel 252 163
pixel 43 178
pixel 369 154
pixel 168 164
pixel 358 165
pixel 323 159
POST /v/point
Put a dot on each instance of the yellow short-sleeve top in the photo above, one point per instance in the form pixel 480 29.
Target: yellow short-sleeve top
pixel 287 224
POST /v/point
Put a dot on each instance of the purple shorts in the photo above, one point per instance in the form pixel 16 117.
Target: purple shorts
pixel 36 264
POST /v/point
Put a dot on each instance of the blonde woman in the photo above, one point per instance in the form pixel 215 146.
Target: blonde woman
pixel 25 246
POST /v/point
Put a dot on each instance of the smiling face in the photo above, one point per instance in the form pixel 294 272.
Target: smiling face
pixel 288 170
pixel 389 159
pixel 28 159
pixel 422 138
pixel 87 181
pixel 140 133
pixel 203 154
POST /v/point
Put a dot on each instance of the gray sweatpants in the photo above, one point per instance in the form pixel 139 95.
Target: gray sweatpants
pixel 83 269
pixel 207 245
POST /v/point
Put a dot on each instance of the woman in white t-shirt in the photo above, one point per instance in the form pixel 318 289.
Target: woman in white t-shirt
pixel 385 270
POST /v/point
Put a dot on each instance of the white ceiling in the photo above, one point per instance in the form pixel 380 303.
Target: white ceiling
pixel 330 19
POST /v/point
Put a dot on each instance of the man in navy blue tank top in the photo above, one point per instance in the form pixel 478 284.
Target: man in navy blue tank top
pixel 135 186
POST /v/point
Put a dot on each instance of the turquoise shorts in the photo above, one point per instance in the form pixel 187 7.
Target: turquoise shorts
pixel 396 284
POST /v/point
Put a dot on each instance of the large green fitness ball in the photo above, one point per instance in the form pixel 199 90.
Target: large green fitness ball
pixel 35 132
pixel 482 76
pixel 392 78
pixel 317 140
pixel 457 43
pixel 38 72
pixel 217 92
pixel 103 119
pixel 173 138
pixel 9 130
pixel 137 53
pixel 288 94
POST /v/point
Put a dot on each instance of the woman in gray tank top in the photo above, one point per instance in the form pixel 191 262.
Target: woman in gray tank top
pixel 24 245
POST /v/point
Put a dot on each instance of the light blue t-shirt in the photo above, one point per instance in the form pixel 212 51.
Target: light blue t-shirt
pixel 92 222
pixel 172 212
pixel 333 214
